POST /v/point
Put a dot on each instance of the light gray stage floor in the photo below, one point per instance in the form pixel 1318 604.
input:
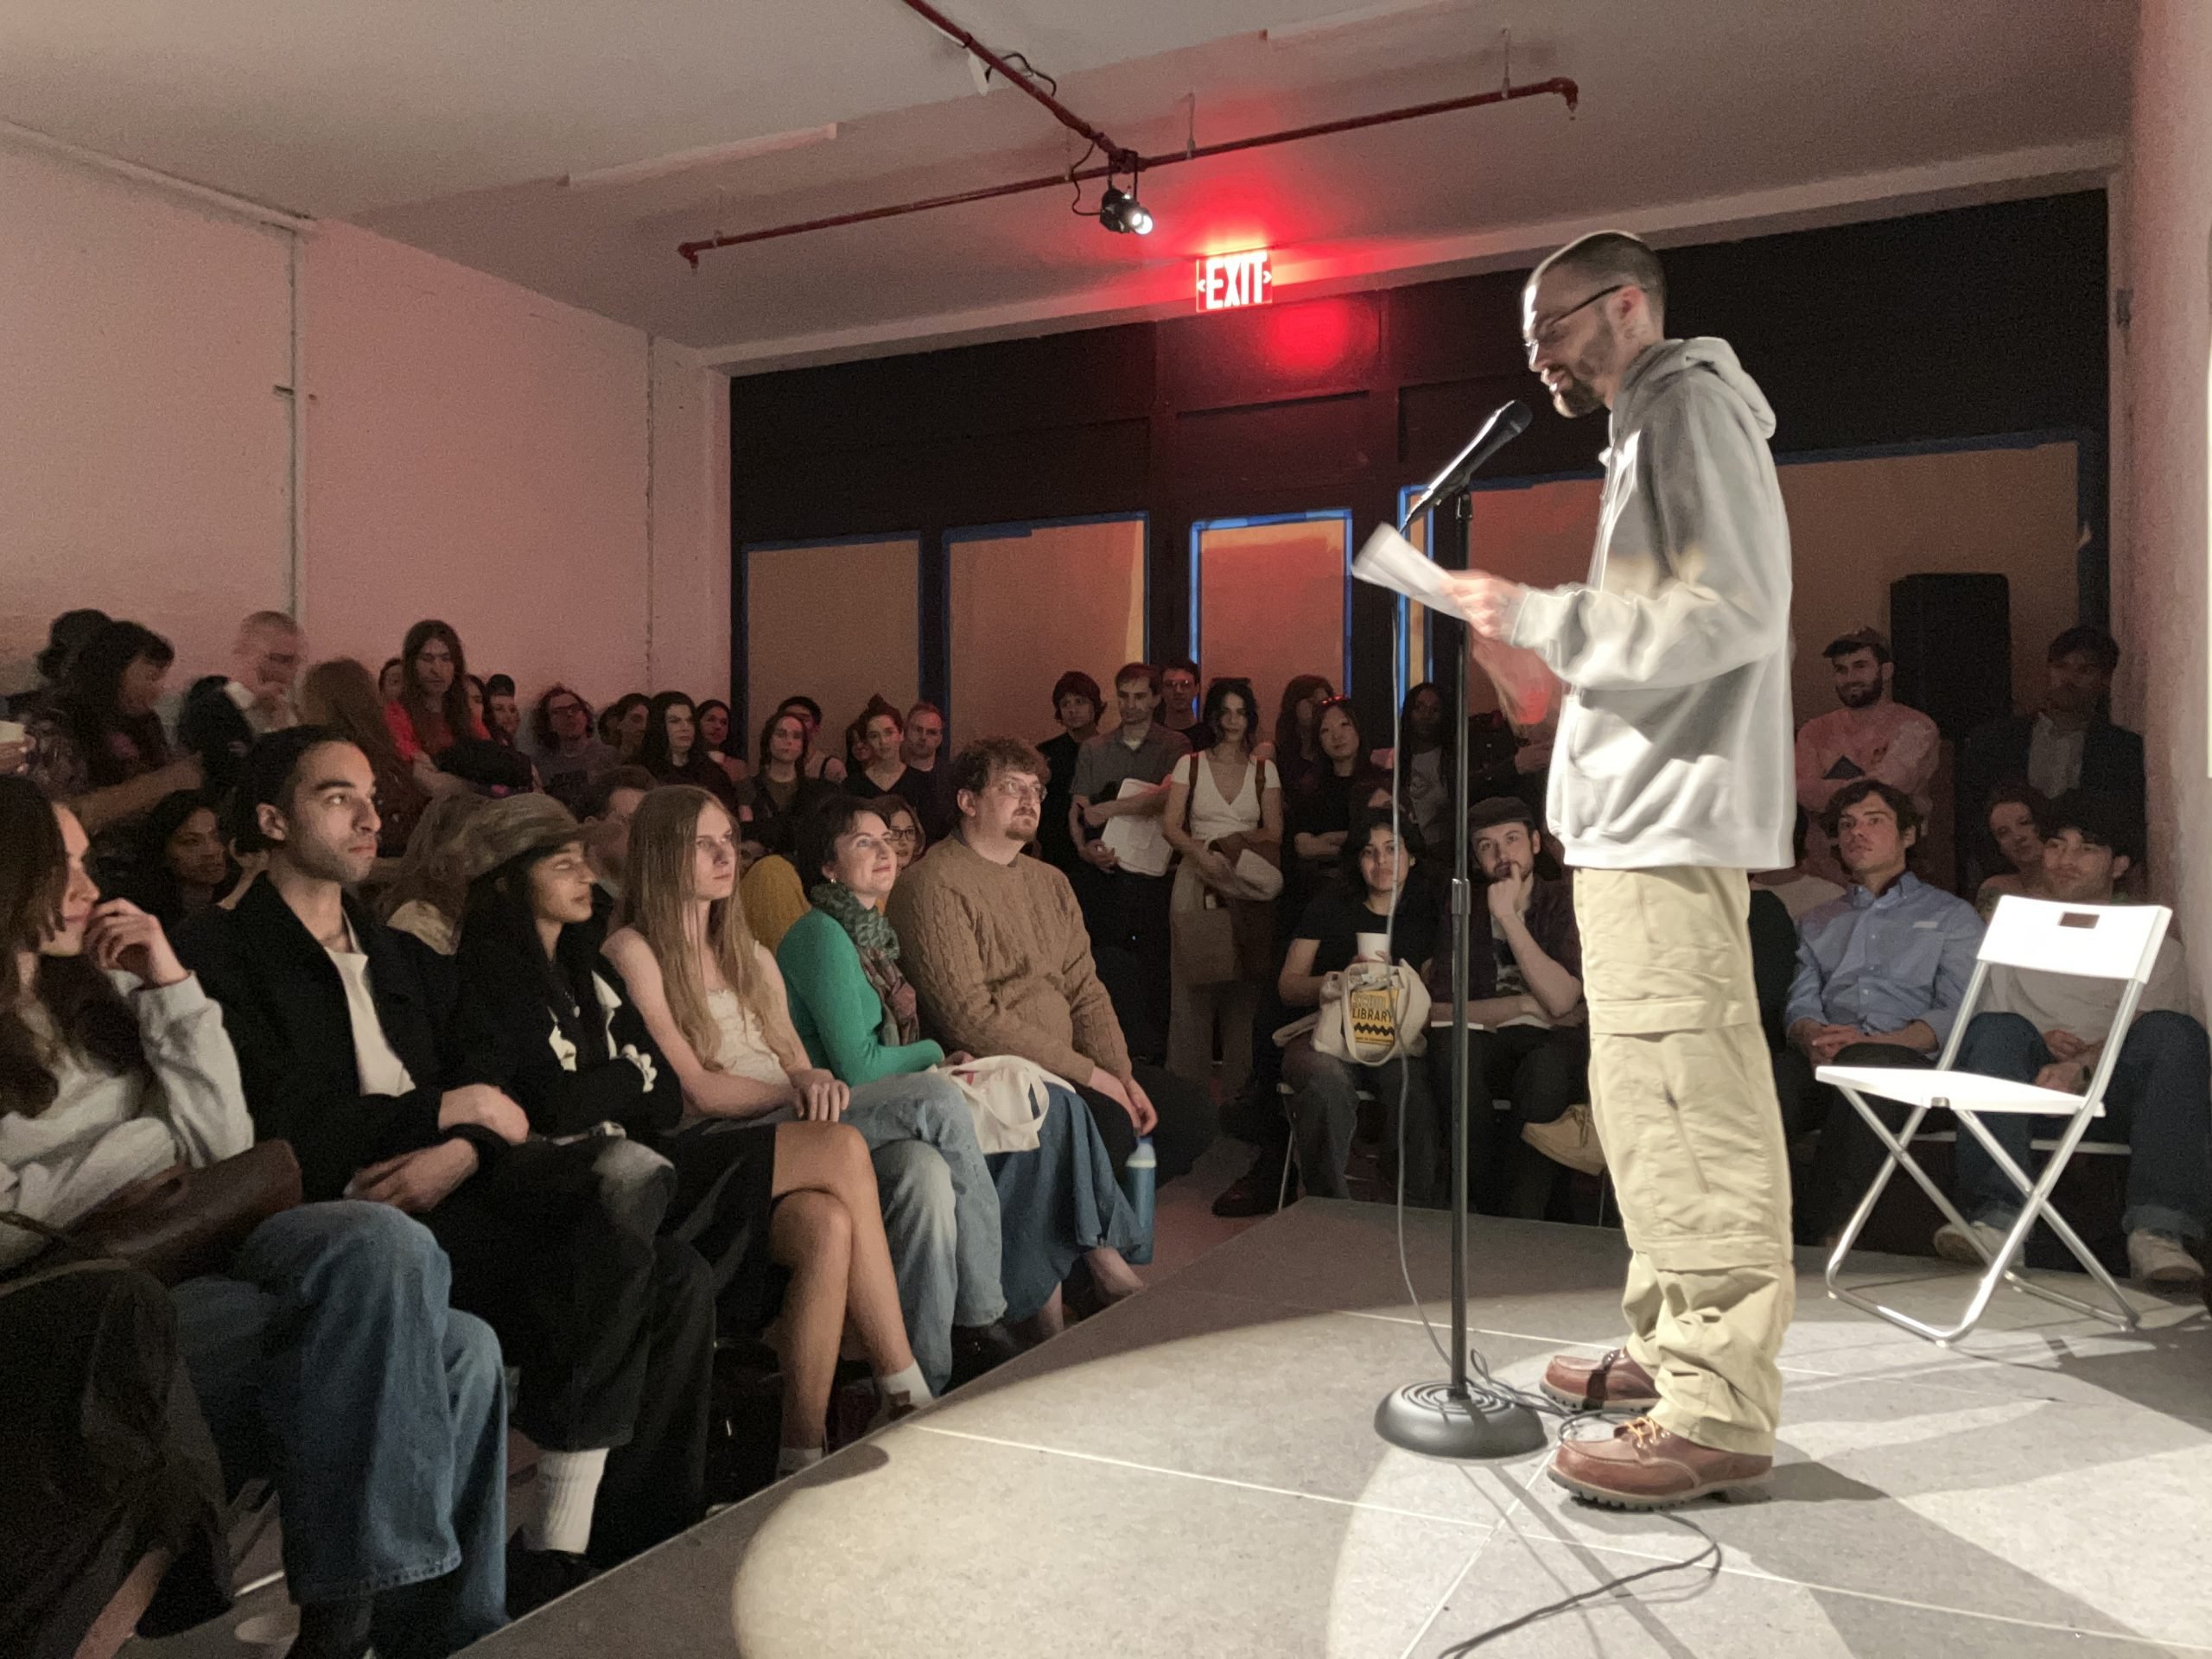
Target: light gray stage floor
pixel 1193 1473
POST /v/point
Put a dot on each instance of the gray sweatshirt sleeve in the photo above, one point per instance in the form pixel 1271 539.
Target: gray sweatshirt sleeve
pixel 195 1071
pixel 193 1111
pixel 1722 533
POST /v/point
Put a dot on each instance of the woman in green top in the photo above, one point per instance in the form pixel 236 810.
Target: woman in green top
pixel 1058 1205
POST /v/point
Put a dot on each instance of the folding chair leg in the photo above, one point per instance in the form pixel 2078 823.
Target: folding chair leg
pixel 1289 1155
pixel 1999 1268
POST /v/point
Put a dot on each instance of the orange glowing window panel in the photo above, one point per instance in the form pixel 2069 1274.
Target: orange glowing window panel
pixel 1230 281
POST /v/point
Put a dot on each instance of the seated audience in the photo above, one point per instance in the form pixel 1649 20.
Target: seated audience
pixel 183 865
pixel 473 685
pixel 716 737
pixel 2070 743
pixel 550 1019
pixel 1179 703
pixel 66 636
pixel 2013 815
pixel 1524 989
pixel 1128 917
pixel 608 806
pixel 1422 764
pixel 1797 889
pixel 2052 1030
pixel 903 830
pixel 774 898
pixel 623 727
pixel 1296 750
pixel 570 760
pixel 672 753
pixel 339 1039
pixel 270 652
pixel 857 754
pixel 432 712
pixel 1880 975
pixel 324 1357
pixel 1077 703
pixel 391 679
pixel 338 694
pixel 502 712
pixel 1324 951
pixel 826 767
pixel 1221 804
pixel 994 943
pixel 427 888
pixel 1872 735
pixel 779 793
pixel 716 1004
pixel 1058 1203
pixel 98 747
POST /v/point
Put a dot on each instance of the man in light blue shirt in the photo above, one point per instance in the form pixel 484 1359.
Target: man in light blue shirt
pixel 1881 973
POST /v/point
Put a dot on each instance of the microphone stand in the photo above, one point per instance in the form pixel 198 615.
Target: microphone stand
pixel 1450 1419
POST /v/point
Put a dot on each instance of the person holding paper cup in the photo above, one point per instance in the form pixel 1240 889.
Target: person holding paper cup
pixel 1671 778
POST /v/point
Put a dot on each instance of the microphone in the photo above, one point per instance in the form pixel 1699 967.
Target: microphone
pixel 1506 423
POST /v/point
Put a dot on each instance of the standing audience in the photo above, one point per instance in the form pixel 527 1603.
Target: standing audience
pixel 1129 918
pixel 1077 704
pixel 812 763
pixel 1179 703
pixel 1222 804
pixel 780 793
pixel 1297 749
pixel 1872 735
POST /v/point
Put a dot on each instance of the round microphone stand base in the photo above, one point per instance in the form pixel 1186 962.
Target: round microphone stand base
pixel 1430 1419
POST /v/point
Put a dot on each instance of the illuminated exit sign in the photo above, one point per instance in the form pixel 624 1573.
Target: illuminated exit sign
pixel 1227 281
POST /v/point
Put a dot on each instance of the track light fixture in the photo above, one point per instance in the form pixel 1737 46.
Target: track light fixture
pixel 1121 212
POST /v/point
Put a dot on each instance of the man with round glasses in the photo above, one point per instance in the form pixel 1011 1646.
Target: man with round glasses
pixel 1671 779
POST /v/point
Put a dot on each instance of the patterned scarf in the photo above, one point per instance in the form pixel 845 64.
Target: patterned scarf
pixel 873 935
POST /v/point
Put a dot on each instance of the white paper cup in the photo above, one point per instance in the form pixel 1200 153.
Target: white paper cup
pixel 1372 947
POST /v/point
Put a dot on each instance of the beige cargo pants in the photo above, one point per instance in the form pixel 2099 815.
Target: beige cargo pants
pixel 1683 1093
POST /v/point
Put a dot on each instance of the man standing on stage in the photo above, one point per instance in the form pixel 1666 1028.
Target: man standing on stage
pixel 1671 778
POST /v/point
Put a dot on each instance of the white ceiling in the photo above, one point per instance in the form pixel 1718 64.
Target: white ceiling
pixel 449 125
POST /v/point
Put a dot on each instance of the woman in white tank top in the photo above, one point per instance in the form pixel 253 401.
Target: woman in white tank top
pixel 1222 802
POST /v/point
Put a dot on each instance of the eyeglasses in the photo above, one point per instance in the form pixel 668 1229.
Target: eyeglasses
pixel 895 834
pixel 1020 788
pixel 1546 335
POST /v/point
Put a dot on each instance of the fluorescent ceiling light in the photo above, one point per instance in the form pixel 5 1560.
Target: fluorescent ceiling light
pixel 683 161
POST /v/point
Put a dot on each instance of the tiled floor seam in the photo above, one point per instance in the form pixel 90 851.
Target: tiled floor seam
pixel 1733 1570
pixel 1489 1524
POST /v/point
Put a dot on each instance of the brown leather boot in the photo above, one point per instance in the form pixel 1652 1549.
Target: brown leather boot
pixel 1643 1466
pixel 1612 1381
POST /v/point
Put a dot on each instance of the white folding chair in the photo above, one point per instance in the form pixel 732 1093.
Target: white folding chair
pixel 2115 942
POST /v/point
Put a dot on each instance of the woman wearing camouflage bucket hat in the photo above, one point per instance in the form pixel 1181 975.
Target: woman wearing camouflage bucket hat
pixel 552 1022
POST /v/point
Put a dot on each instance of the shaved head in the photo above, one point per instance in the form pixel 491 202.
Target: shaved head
pixel 1605 257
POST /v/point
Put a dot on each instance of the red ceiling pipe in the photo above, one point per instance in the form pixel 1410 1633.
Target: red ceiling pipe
pixel 1559 86
pixel 1066 116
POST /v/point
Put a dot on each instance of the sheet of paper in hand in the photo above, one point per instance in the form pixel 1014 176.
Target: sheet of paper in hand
pixel 1140 844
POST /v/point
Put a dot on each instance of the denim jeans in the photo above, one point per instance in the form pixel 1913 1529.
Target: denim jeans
pixel 940 1210
pixel 327 1357
pixel 2155 1101
pixel 1325 1110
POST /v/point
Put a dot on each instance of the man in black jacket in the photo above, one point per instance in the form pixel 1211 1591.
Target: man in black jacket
pixel 339 1034
pixel 2067 744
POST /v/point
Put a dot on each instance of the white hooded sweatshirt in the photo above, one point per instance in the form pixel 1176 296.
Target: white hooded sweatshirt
pixel 1674 741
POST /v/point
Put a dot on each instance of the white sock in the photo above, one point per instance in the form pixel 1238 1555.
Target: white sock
pixel 570 1483
pixel 797 1459
pixel 908 1383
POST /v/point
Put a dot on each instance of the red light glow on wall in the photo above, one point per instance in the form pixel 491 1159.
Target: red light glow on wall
pixel 1228 281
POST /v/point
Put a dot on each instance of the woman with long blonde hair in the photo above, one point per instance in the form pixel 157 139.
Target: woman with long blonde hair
pixel 710 1000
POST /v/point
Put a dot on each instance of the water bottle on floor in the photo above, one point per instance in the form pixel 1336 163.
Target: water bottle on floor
pixel 1139 1176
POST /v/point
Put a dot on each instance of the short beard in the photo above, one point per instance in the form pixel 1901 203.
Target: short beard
pixel 1576 399
pixel 1858 696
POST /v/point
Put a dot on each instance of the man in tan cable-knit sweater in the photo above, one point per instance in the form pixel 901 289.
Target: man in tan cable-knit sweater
pixel 994 943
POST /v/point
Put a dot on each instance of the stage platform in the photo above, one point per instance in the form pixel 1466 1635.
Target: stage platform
pixel 1192 1473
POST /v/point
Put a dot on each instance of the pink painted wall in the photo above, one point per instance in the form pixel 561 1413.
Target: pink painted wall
pixel 2165 370
pixel 553 484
